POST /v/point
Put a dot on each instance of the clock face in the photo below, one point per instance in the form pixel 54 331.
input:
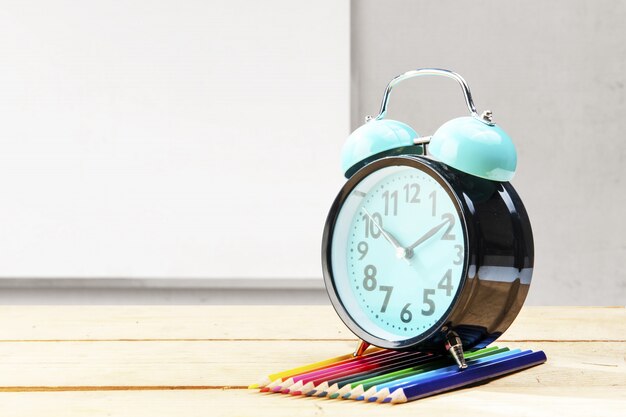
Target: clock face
pixel 398 252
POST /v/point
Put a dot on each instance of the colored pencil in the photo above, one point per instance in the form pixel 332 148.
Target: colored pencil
pixel 385 390
pixel 369 387
pixel 279 377
pixel 471 375
pixel 323 384
pixel 370 380
pixel 287 373
pixel 312 379
pixel 309 367
pixel 395 377
pixel 345 364
pixel 334 385
pixel 322 381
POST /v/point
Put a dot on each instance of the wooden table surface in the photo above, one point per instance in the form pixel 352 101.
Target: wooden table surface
pixel 198 360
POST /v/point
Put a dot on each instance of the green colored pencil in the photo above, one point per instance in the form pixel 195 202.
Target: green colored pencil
pixel 362 387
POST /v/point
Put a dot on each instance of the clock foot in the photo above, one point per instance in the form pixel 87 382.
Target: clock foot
pixel 363 345
pixel 454 346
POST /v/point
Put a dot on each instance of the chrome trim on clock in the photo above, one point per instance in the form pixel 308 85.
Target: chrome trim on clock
pixel 486 117
pixel 423 165
pixel 498 263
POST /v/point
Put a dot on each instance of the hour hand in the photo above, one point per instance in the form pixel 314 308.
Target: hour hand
pixel 401 252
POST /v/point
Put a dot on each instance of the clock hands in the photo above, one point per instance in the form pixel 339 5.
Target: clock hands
pixel 401 252
pixel 427 235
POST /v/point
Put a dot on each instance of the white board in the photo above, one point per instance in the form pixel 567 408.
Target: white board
pixel 170 139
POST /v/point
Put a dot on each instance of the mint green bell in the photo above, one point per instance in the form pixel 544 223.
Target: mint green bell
pixel 476 148
pixel 375 139
pixel 474 144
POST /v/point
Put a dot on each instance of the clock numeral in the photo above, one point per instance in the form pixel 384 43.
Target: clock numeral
pixel 405 315
pixel 447 235
pixel 362 248
pixel 416 190
pixel 459 254
pixel 446 283
pixel 369 282
pixel 370 226
pixel 391 196
pixel 433 196
pixel 388 289
pixel 430 303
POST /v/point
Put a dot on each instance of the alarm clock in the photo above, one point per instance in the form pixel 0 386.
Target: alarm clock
pixel 428 245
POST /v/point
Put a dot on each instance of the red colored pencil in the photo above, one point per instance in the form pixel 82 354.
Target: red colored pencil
pixel 287 377
pixel 321 383
pixel 300 380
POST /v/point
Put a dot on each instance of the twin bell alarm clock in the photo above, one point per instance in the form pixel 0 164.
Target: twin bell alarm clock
pixel 427 245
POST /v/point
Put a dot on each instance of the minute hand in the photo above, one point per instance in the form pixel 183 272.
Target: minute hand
pixel 427 235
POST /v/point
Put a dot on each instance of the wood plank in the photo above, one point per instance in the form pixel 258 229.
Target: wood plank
pixel 180 364
pixel 484 400
pixel 568 323
pixel 194 361
pixel 268 323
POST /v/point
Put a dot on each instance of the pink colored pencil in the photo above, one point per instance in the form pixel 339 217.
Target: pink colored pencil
pixel 301 380
pixel 376 364
pixel 288 379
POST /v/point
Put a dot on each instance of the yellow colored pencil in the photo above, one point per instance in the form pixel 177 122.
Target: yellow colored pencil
pixel 305 368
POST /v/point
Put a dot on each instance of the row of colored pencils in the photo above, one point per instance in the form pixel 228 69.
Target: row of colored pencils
pixel 390 376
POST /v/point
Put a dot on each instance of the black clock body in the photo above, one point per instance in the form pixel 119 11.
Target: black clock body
pixel 498 260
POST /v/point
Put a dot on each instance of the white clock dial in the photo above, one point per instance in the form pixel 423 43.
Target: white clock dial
pixel 398 252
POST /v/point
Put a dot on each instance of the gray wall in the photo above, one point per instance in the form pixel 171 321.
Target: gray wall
pixel 553 73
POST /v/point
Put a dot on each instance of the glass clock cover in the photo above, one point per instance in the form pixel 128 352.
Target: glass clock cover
pixel 398 252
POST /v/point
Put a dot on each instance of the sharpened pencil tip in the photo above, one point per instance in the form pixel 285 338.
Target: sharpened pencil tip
pixel 265 389
pixel 360 398
pixel 368 393
pixel 253 386
pixel 294 392
pixel 372 399
pixel 310 393
pixel 322 394
pixel 346 396
pixel 335 395
pixel 387 400
pixel 397 396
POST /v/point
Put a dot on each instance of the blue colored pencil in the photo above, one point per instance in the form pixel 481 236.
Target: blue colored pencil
pixel 471 375
pixel 367 387
pixel 381 391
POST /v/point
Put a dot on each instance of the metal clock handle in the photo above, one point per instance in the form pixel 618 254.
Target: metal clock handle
pixel 485 117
